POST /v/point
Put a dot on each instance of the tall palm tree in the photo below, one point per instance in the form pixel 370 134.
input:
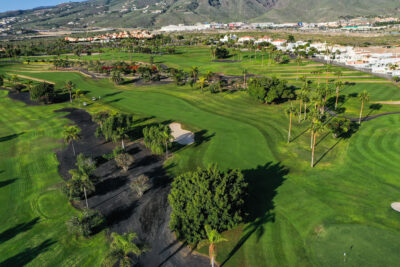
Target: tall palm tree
pixel 69 87
pixel 364 97
pixel 120 249
pixel 316 128
pixel 213 238
pixel 116 77
pixel 244 78
pixel 298 61
pixel 83 181
pixel 166 137
pixel 290 111
pixel 121 134
pixel 14 79
pixel 71 133
pixel 202 80
pixel 78 94
pixel 339 85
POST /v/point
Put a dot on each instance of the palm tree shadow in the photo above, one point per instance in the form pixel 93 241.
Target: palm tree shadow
pixel 7 182
pixel 326 152
pixel 10 137
pixel 19 228
pixel 28 254
pixel 303 132
pixel 263 183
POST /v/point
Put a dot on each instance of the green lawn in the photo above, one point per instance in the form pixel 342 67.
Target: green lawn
pixel 33 210
pixel 300 216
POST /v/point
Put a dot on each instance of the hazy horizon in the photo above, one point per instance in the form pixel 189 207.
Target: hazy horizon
pixel 29 4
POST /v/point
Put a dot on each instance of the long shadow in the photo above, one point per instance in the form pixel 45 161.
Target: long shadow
pixel 113 101
pixel 28 254
pixel 7 182
pixel 112 94
pixel 173 254
pixel 19 228
pixel 110 185
pixel 326 153
pixel 201 137
pixel 300 134
pixel 321 139
pixel 121 214
pixel 262 185
pixel 10 137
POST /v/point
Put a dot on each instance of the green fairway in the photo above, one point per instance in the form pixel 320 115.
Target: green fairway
pixel 33 210
pixel 300 216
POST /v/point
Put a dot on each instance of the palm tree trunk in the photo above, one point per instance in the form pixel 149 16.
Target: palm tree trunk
pixel 122 143
pixel 311 141
pixel 362 106
pixel 70 96
pixel 87 204
pixel 166 149
pixel 290 127
pixel 73 147
pixel 301 104
pixel 305 110
pixel 313 150
pixel 337 97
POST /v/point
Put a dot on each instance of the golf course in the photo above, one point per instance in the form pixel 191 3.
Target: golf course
pixel 335 214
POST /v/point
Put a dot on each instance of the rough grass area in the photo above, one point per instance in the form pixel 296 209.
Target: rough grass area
pixel 297 216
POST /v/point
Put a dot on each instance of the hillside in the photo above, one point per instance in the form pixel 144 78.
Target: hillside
pixel 155 13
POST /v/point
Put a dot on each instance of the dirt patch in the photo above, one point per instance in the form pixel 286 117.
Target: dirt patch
pixel 124 211
pixel 34 79
pixel 226 61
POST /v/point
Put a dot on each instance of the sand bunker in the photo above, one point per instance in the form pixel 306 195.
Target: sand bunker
pixel 396 206
pixel 181 136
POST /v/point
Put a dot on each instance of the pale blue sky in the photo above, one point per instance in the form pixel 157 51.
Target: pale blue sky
pixel 6 5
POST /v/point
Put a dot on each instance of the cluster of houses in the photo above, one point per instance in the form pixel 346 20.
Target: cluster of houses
pixel 112 36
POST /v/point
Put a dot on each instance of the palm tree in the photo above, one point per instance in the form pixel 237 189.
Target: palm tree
pixel 82 180
pixel 120 248
pixel 166 137
pixel 71 133
pixel 213 238
pixel 202 80
pixel 339 85
pixel 364 97
pixel 244 78
pixel 14 79
pixel 195 72
pixel 209 75
pixel 290 111
pixel 298 60
pixel 121 134
pixel 78 94
pixel 69 87
pixel 316 128
pixel 116 77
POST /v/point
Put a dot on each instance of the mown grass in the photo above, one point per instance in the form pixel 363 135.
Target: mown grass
pixel 298 216
pixel 34 211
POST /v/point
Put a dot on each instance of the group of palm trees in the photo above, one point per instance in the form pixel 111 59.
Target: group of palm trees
pixel 313 101
pixel 70 87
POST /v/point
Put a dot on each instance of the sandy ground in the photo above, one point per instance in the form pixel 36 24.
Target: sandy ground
pixel 181 136
pixel 33 79
pixel 147 216
pixel 387 102
pixel 396 206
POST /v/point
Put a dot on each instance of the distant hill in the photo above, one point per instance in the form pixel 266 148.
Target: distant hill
pixel 156 13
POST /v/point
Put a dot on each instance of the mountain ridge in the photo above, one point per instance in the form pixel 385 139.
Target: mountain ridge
pixel 156 13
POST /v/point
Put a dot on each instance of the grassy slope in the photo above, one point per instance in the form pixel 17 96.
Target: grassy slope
pixel 34 211
pixel 314 215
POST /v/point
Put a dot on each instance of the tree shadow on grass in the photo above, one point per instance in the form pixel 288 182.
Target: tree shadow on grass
pixel 7 182
pixel 112 94
pixel 326 152
pixel 201 137
pixel 19 228
pixel 10 137
pixel 262 185
pixel 28 254
pixel 113 101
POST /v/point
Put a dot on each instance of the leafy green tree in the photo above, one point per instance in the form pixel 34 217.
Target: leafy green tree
pixel 116 127
pixel 269 90
pixel 121 247
pixel 86 223
pixel 202 80
pixel 213 238
pixel 157 138
pixel 206 197
pixel 194 72
pixel 43 92
pixel 364 97
pixel 338 126
pixel 71 133
pixel 14 79
pixel 80 183
pixel 29 85
pixel 221 53
pixel 69 87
